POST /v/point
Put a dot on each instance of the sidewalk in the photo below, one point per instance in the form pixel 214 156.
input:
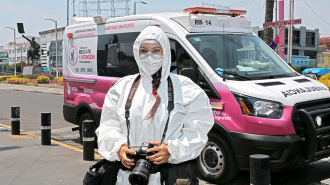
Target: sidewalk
pixel 23 160
pixel 37 89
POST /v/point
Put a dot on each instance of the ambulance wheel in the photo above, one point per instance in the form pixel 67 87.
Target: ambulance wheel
pixel 217 163
pixel 86 116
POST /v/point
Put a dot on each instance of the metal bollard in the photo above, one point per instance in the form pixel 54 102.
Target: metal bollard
pixel 259 170
pixel 15 120
pixel 88 140
pixel 45 128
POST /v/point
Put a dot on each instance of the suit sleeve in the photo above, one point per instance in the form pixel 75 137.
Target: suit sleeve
pixel 197 122
pixel 110 132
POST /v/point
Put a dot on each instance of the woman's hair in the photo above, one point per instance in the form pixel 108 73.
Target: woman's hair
pixel 155 84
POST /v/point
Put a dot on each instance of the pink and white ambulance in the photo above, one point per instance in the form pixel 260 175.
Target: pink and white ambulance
pixel 260 104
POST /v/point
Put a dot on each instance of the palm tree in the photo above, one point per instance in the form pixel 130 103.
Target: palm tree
pixel 268 18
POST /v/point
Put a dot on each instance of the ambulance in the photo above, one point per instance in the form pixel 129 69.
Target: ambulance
pixel 260 104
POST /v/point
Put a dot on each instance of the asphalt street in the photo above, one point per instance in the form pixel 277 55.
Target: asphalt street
pixel 32 104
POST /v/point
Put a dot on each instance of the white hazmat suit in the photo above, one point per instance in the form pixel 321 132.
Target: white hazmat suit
pixel 190 120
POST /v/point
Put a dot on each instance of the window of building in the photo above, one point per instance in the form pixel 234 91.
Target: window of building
pixel 9 51
pixel 311 54
pixel 294 51
pixel 296 37
pixel 310 39
pixel 320 60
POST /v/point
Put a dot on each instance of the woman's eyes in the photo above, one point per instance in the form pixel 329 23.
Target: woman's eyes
pixel 143 51
pixel 156 51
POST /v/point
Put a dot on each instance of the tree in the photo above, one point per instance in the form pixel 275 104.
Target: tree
pixel 268 18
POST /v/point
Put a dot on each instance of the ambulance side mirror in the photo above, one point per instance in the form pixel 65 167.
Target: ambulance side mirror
pixel 190 73
pixel 207 86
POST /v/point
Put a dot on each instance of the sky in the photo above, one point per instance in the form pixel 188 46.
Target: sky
pixel 34 12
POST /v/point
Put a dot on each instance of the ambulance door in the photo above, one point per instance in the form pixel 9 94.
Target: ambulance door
pixel 81 72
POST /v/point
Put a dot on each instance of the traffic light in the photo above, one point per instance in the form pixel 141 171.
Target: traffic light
pixel 47 53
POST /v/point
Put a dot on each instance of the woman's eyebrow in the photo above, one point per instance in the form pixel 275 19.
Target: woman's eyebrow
pixel 158 47
pixel 143 47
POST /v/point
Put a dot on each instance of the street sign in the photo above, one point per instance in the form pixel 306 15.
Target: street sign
pixel 299 61
pixel 282 23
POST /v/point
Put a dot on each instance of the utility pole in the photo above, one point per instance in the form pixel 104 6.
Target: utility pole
pixel 56 44
pixel 21 59
pixel 290 34
pixel 268 18
pixel 67 13
pixel 14 45
pixel 281 29
pixel 56 50
pixel 134 12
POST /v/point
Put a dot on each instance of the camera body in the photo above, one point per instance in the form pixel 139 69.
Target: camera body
pixel 143 167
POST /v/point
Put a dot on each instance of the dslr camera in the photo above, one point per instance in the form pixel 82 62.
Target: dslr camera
pixel 143 167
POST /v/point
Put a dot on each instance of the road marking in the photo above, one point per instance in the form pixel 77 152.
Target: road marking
pixel 53 141
pixel 54 131
pixel 28 136
pixel 57 93
pixel 17 89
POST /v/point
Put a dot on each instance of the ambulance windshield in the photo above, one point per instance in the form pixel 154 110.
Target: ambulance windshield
pixel 247 56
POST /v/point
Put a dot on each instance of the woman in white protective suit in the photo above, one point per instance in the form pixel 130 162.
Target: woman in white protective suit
pixel 188 123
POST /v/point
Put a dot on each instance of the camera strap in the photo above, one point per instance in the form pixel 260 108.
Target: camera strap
pixel 130 97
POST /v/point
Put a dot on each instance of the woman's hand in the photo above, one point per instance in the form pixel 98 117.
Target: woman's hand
pixel 123 151
pixel 162 154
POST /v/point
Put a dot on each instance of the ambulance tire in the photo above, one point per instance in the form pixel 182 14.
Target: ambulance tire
pixel 86 116
pixel 217 163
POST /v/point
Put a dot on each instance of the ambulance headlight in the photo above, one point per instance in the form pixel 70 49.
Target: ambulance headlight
pixel 259 108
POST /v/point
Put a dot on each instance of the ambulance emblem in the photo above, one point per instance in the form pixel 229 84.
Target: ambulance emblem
pixel 73 55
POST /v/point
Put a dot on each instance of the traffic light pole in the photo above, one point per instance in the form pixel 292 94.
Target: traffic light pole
pixel 56 49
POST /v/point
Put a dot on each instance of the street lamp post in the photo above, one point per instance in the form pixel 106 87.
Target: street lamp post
pixel 14 45
pixel 56 44
pixel 135 6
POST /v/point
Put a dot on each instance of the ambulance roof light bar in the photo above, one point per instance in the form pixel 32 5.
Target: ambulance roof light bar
pixel 205 10
pixel 100 19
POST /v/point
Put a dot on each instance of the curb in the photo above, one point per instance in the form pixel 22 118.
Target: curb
pixel 36 91
pixel 17 89
pixel 57 93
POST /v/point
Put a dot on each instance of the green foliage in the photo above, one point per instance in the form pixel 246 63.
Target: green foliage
pixel 297 69
pixel 11 67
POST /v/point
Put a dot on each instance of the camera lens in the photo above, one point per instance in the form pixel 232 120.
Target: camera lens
pixel 141 172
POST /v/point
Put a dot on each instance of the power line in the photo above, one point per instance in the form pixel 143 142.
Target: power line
pixel 316 13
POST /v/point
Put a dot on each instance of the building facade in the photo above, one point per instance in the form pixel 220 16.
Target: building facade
pixel 3 58
pixel 48 46
pixel 305 42
pixel 323 57
pixel 22 45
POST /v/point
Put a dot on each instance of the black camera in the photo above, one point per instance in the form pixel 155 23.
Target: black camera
pixel 143 167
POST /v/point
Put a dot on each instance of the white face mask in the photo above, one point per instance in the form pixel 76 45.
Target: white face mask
pixel 151 63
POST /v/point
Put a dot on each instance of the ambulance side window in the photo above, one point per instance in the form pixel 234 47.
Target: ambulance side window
pixel 181 59
pixel 115 55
